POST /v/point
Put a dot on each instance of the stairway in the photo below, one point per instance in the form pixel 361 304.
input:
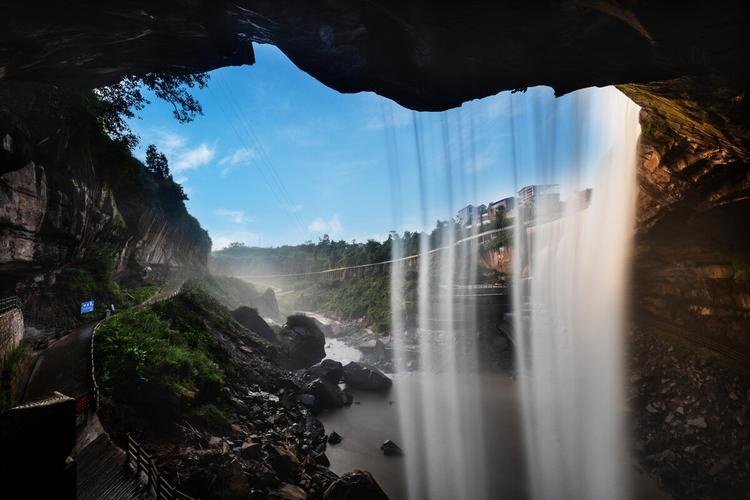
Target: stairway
pixel 102 473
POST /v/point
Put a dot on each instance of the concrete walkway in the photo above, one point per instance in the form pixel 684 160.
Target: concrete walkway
pixel 63 367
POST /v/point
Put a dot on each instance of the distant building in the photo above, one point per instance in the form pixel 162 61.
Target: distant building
pixel 504 207
pixel 537 193
pixel 467 215
pixel 539 202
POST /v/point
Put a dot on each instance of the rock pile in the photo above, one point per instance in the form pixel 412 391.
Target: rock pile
pixel 691 415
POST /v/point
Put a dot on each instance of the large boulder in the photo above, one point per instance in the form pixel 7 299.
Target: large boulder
pixel 365 377
pixel 250 319
pixel 327 394
pixel 301 343
pixel 355 485
pixel 327 369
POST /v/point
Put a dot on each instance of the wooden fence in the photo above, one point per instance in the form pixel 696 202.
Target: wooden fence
pixel 141 460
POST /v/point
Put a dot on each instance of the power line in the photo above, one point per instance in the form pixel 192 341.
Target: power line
pixel 260 168
pixel 263 156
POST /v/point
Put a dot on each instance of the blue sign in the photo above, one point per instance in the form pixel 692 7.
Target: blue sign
pixel 87 307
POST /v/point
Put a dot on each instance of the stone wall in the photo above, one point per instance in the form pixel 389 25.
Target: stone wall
pixel 11 332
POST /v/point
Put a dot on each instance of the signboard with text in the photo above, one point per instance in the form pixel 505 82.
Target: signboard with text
pixel 87 307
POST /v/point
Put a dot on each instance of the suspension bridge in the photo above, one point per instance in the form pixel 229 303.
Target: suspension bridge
pixel 357 271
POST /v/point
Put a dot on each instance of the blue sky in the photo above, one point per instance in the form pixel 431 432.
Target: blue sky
pixel 279 158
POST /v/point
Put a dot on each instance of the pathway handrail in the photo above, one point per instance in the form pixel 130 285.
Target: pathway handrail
pixel 143 462
pixel 133 450
pixel 8 303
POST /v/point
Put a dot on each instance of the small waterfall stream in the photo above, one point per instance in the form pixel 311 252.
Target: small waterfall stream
pixel 569 275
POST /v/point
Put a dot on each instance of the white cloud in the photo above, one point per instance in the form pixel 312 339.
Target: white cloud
pixel 238 156
pixel 332 226
pixel 169 142
pixel 223 240
pixel 236 216
pixel 194 158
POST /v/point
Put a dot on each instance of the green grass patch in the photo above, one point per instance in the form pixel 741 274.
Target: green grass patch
pixel 138 296
pixel 140 349
pixel 210 416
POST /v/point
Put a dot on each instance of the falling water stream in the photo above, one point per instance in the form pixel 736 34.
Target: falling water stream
pixel 570 257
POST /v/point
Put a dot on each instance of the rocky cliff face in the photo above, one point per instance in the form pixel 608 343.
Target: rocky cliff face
pixel 64 186
pixel 692 267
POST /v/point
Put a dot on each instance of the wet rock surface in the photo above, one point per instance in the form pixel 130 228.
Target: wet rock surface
pixel 690 412
pixel 364 377
pixel 334 438
pixel 327 394
pixel 391 449
pixel 356 485
pixel 328 369
pixel 250 319
pixel 301 342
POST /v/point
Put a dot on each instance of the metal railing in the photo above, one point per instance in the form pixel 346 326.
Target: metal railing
pixel 9 303
pixel 94 385
pixel 141 460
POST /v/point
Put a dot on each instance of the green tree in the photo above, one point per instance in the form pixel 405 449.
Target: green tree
pixel 156 162
pixel 122 101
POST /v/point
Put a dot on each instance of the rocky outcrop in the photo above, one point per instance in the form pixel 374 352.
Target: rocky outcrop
pixel 64 186
pixel 691 258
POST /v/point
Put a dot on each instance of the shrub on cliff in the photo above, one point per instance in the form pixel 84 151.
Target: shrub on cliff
pixel 90 277
pixel 138 353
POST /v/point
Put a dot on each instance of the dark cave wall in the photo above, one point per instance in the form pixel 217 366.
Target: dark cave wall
pixel 426 55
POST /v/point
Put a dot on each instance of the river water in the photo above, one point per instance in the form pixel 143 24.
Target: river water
pixel 364 427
